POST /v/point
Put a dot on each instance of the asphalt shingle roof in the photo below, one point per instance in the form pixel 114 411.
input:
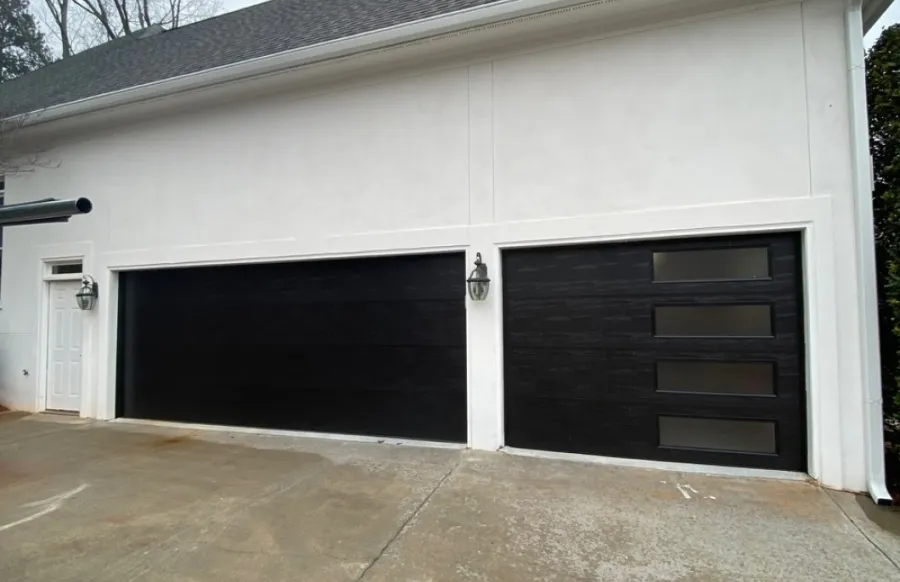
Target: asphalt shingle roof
pixel 257 31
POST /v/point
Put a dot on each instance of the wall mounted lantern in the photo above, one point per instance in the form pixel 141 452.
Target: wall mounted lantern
pixel 478 281
pixel 87 295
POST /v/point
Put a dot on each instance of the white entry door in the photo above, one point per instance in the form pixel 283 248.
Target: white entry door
pixel 64 354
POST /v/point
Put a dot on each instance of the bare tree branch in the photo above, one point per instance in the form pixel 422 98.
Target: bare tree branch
pixel 145 14
pixel 124 17
pixel 59 11
pixel 101 14
pixel 80 24
pixel 18 154
pixel 81 30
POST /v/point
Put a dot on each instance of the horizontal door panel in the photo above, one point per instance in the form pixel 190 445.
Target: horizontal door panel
pixel 401 278
pixel 439 417
pixel 783 461
pixel 578 427
pixel 644 289
pixel 370 323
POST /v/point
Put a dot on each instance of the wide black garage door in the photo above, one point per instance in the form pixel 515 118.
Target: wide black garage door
pixel 687 350
pixel 362 346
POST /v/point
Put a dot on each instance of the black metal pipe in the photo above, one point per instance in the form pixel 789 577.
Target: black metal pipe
pixel 39 211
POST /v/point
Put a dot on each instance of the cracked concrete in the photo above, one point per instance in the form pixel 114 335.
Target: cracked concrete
pixel 99 501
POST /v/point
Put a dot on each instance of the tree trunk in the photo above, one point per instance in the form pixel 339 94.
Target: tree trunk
pixel 64 28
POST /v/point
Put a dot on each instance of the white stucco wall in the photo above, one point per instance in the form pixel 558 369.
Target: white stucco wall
pixel 735 122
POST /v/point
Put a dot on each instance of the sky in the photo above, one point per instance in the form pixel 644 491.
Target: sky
pixel 231 5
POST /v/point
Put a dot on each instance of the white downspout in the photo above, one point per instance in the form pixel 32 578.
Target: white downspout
pixel 865 256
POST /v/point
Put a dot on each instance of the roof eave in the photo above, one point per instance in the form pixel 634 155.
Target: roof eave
pixel 505 10
pixel 269 64
pixel 873 10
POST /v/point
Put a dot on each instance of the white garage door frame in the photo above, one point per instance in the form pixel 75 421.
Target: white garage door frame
pixel 103 394
pixel 828 454
pixel 811 217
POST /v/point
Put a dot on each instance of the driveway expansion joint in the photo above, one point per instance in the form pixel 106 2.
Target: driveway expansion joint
pixel 406 523
pixel 860 530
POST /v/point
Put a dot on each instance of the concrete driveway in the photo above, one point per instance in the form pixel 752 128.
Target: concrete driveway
pixel 92 501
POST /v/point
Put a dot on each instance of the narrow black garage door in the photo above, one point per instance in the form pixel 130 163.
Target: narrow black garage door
pixel 686 350
pixel 362 346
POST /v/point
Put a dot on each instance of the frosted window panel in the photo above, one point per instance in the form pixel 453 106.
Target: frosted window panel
pixel 743 436
pixel 714 321
pixel 742 378
pixel 743 264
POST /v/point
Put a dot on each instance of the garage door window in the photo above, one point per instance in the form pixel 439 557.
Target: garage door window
pixel 743 436
pixel 742 264
pixel 713 321
pixel 739 378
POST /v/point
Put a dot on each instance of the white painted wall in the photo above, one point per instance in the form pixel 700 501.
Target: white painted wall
pixel 705 113
pixel 733 122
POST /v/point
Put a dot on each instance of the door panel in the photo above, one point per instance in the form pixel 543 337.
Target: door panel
pixel 65 354
pixel 584 334
pixel 358 346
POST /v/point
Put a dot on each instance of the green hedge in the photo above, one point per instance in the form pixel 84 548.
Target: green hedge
pixel 883 91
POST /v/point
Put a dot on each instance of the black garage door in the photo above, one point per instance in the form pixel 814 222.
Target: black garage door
pixel 361 346
pixel 686 350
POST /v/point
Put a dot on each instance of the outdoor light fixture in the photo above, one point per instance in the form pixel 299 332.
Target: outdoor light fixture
pixel 87 295
pixel 478 281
